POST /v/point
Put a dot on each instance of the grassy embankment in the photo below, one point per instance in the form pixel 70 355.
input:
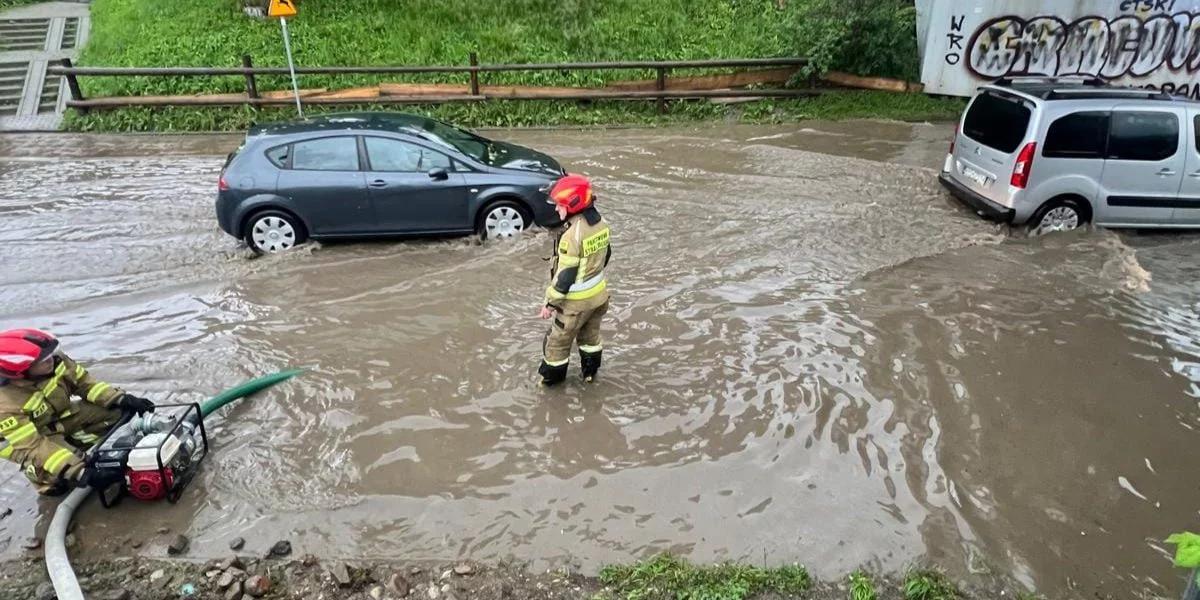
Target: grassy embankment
pixel 429 32
pixel 666 577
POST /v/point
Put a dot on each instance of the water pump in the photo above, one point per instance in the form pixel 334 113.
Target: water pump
pixel 152 457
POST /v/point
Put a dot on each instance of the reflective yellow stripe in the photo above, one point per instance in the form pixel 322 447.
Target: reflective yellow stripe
pixel 590 349
pixel 86 438
pixel 97 391
pixel 6 452
pixel 556 363
pixel 35 403
pixel 21 433
pixel 586 284
pixel 53 383
pixel 595 290
pixel 79 372
pixel 54 464
pixel 590 292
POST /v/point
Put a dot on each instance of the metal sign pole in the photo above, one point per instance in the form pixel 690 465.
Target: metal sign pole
pixel 287 45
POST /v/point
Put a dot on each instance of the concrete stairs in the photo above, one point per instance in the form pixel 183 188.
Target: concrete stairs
pixel 32 38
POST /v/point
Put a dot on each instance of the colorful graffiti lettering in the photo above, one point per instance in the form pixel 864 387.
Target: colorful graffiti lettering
pixel 1126 46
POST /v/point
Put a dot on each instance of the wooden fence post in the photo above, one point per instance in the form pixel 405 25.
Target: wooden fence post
pixel 661 85
pixel 73 84
pixel 474 60
pixel 251 84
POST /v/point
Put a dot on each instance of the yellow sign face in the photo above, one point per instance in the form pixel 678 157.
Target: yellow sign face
pixel 282 8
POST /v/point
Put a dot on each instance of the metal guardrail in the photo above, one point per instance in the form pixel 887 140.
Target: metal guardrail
pixel 252 96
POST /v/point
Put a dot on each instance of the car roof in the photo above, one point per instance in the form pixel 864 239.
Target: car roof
pixel 1078 89
pixel 393 122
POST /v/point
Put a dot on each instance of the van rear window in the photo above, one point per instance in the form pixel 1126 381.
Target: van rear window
pixel 997 122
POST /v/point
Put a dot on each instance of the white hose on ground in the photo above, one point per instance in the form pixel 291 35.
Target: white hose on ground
pixel 66 586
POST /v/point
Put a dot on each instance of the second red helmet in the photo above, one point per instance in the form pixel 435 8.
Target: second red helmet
pixel 22 348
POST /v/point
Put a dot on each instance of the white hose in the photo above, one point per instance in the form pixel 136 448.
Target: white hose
pixel 66 586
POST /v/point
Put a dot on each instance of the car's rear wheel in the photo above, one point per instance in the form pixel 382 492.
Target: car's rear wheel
pixel 1059 215
pixel 273 231
pixel 504 219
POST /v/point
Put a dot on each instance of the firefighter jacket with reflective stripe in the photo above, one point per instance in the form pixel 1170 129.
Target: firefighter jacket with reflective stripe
pixel 577 280
pixel 35 407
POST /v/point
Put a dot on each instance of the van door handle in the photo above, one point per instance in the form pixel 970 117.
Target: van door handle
pixel 1194 174
pixel 378 183
pixel 1165 172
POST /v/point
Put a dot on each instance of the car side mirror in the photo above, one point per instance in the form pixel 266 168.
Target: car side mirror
pixel 439 174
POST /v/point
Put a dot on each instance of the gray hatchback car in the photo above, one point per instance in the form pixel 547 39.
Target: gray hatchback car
pixel 364 175
pixel 1058 153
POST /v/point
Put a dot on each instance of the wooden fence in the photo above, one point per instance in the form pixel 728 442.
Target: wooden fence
pixel 474 91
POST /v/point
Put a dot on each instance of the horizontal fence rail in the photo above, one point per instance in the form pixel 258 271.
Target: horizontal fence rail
pixel 476 93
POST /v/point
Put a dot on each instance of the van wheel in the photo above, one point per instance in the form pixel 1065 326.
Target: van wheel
pixel 272 231
pixel 1058 215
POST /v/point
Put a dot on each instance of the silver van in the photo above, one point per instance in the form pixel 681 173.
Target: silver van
pixel 1058 153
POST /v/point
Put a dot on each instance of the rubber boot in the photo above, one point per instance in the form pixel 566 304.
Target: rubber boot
pixel 552 375
pixel 590 363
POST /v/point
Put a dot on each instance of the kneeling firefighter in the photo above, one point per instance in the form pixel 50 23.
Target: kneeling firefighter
pixel 41 428
pixel 577 298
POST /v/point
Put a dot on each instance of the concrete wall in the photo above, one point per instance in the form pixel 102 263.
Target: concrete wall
pixel 1153 43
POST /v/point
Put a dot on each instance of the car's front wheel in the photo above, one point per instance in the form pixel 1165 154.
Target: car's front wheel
pixel 1058 215
pixel 274 231
pixel 504 219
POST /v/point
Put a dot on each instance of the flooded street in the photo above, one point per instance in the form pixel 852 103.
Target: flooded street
pixel 814 355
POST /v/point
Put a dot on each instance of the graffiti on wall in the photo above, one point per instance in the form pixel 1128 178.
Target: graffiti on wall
pixel 1142 39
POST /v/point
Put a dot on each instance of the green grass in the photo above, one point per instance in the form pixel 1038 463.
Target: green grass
pixel 423 32
pixel 861 587
pixel 667 576
pixel 834 105
pixel 924 584
pixel 433 32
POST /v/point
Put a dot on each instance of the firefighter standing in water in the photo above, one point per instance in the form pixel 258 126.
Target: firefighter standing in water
pixel 41 428
pixel 577 298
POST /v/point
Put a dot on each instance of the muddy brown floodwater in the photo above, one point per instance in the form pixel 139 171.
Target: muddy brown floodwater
pixel 814 355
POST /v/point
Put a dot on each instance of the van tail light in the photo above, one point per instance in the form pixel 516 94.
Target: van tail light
pixel 222 185
pixel 1020 174
pixel 954 138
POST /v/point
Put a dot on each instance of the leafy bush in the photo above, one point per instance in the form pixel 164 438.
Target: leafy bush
pixel 864 37
pixel 928 585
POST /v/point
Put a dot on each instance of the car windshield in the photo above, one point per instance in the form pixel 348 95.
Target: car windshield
pixel 464 141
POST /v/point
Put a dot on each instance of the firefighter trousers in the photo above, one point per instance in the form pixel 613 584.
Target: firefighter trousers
pixel 569 327
pixel 51 460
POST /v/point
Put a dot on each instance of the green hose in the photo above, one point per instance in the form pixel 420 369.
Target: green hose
pixel 212 404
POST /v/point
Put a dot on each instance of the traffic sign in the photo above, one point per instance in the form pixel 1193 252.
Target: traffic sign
pixel 282 8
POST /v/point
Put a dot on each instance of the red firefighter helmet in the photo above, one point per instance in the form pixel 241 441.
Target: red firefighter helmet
pixel 572 192
pixel 22 348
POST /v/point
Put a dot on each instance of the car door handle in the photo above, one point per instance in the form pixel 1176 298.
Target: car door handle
pixel 1194 174
pixel 1165 172
pixel 378 183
